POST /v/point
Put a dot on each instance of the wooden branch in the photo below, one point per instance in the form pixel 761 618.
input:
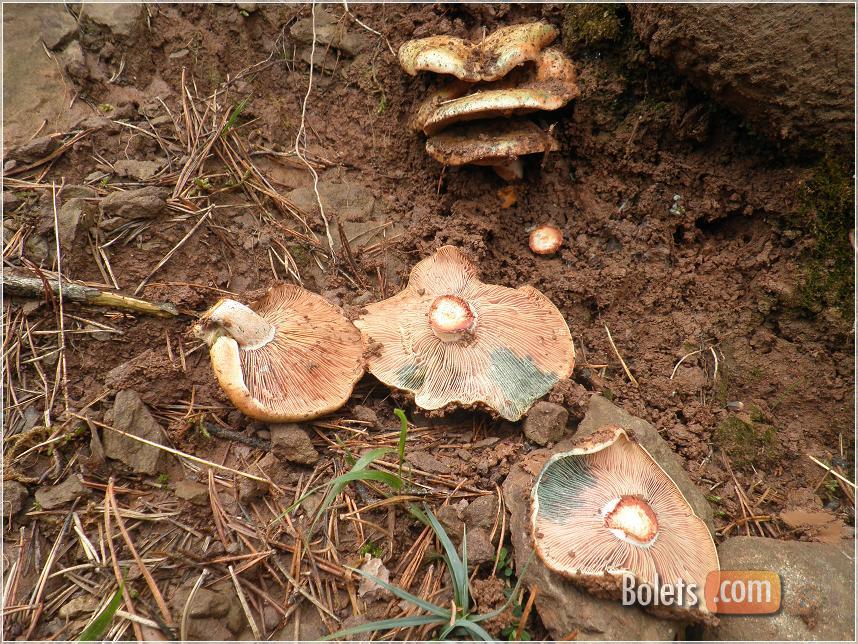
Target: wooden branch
pixel 34 287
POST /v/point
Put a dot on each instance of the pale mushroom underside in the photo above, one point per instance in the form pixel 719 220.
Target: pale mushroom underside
pixel 571 535
pixel 520 349
pixel 307 370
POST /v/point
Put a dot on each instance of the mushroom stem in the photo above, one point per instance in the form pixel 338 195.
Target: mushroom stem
pixel 631 519
pixel 452 318
pixel 240 322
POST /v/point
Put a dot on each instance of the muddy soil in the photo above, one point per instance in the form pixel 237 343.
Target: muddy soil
pixel 691 239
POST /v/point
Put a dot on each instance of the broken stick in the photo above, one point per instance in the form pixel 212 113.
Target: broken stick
pixel 35 287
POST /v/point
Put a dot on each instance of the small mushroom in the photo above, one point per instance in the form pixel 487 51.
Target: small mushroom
pixel 497 143
pixel 449 339
pixel 489 60
pixel 290 356
pixel 549 85
pixel 607 509
pixel 546 239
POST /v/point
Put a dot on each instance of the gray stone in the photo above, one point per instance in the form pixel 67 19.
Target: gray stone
pixel 196 493
pixel 36 149
pixel 427 462
pixel 118 18
pixel 58 27
pixel 79 192
pixel 68 220
pixel 55 496
pixel 328 32
pixel 133 417
pixel 139 170
pixel 818 591
pixel 78 606
pixel 289 442
pixel 602 412
pixel 14 497
pixel 142 203
pixel 367 415
pixel 563 607
pixel 545 423
pixel 479 517
pixel 214 614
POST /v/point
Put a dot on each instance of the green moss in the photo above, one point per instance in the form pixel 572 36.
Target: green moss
pixel 825 213
pixel 746 441
pixel 591 24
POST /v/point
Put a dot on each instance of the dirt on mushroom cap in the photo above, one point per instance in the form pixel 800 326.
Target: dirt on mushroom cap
pixel 520 348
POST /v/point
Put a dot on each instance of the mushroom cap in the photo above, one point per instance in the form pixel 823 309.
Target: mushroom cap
pixel 547 86
pixel 307 369
pixel 545 239
pixel 489 60
pixel 607 509
pixel 489 143
pixel 511 347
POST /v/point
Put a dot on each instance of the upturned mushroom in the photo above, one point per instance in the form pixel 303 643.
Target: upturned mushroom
pixel 451 340
pixel 488 60
pixel 606 509
pixel 290 356
pixel 545 239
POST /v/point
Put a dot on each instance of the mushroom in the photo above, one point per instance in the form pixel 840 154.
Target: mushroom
pixel 487 60
pixel 449 339
pixel 607 509
pixel 545 239
pixel 498 143
pixel 547 86
pixel 289 356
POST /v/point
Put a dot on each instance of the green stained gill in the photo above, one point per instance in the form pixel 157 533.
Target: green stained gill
pixel 410 377
pixel 561 485
pixel 520 380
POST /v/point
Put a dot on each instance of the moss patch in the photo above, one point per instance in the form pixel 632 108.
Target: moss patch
pixel 825 213
pixel 591 24
pixel 746 440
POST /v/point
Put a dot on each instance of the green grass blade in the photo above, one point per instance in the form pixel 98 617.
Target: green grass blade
pixel 233 116
pixel 458 572
pixel 440 612
pixel 474 629
pixel 369 457
pixel 385 625
pixel 96 630
pixel 403 435
pixel 339 484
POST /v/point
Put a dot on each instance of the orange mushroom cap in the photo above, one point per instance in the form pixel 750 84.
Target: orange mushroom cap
pixel 489 60
pixel 290 356
pixel 545 239
pixel 450 339
pixel 607 509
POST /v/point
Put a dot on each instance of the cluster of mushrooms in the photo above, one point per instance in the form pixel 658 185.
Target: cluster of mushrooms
pixel 601 511
pixel 511 72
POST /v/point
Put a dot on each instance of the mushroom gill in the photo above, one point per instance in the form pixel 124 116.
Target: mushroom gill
pixel 606 509
pixel 289 356
pixel 451 340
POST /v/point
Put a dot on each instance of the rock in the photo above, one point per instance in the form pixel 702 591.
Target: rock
pixel 132 416
pixel 310 626
pixel 479 517
pixel 36 149
pixel 142 203
pixel 365 414
pixel 329 33
pixel 426 462
pixel 563 607
pixel 11 201
pixel 545 423
pixel 58 28
pixel 139 170
pixel 788 70
pixel 818 586
pixel 78 606
pixel 481 512
pixel 79 192
pixel 196 493
pixel 601 412
pixel 68 219
pixel 118 18
pixel 214 614
pixel 368 588
pixel 14 497
pixel 289 442
pixel 50 498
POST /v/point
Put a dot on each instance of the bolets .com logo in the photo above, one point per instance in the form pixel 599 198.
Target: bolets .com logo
pixel 726 592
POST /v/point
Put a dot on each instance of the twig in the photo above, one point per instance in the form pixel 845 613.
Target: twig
pixel 183 628
pixel 259 443
pixel 683 359
pixel 620 358
pixel 70 292
pixel 243 600
pixel 832 471
pixel 61 366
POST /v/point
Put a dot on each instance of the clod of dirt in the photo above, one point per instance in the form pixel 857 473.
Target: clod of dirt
pixel 130 415
pixel 142 203
pixel 214 614
pixel 818 526
pixel 478 516
pixel 69 218
pixel 498 144
pixel 192 491
pixel 119 19
pixel 818 586
pixel 14 497
pixel 488 60
pixel 134 169
pixel 34 150
pixel 58 28
pixel 289 442
pixel 365 414
pixel 368 588
pixel 78 606
pixel 330 32
pixel 57 496
pixel 601 412
pixel 545 423
pixel 562 606
pixel 789 73
pixel 546 87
